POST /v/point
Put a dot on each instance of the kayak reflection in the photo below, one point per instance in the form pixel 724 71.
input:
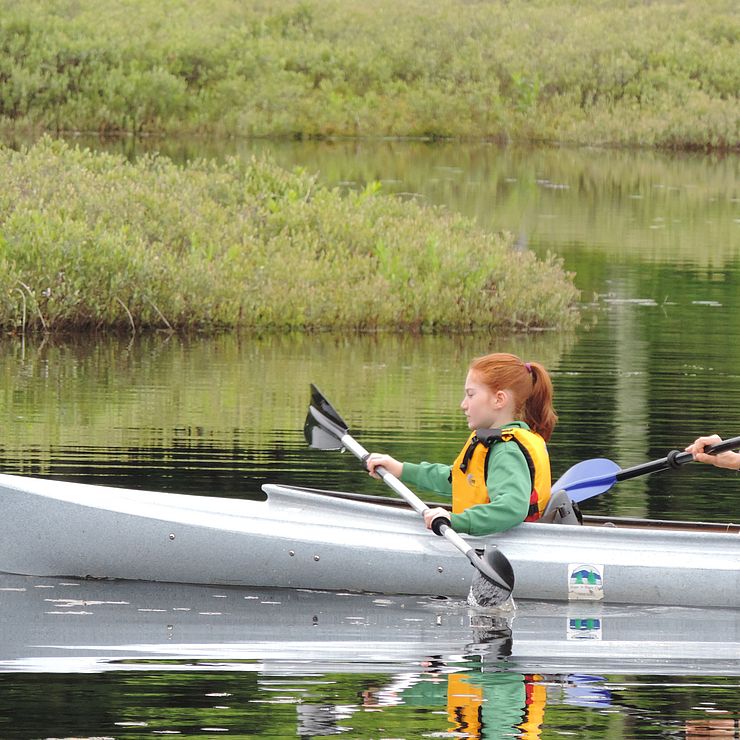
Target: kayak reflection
pixel 56 624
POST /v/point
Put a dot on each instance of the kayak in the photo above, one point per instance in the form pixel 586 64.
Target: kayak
pixel 71 626
pixel 307 538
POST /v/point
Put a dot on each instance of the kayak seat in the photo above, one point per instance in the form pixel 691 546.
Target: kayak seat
pixel 561 510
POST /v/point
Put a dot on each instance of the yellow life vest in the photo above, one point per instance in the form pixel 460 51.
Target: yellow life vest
pixel 464 701
pixel 469 470
pixel 466 695
pixel 534 716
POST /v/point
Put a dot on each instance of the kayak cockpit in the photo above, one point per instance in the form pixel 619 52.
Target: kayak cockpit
pixel 560 510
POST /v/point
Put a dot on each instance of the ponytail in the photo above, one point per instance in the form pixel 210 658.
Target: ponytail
pixel 538 410
pixel 528 381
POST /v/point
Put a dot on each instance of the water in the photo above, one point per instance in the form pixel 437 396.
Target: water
pixel 132 660
pixel 655 247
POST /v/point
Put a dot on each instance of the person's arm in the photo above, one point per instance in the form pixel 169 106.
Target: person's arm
pixel 729 459
pixel 430 476
pixel 509 488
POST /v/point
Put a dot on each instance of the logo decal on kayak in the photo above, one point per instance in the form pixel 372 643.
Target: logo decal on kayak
pixel 587 628
pixel 585 581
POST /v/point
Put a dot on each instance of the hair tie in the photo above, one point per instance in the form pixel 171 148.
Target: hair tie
pixel 529 367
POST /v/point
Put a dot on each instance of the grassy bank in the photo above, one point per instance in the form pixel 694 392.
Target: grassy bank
pixel 92 241
pixel 661 74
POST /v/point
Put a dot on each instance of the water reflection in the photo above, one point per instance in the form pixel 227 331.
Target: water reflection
pixel 51 624
pixel 652 206
pixel 165 658
pixel 225 415
pixel 477 704
pixel 210 704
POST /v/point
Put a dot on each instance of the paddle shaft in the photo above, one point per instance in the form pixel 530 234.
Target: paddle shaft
pixel 420 507
pixel 403 491
pixel 675 460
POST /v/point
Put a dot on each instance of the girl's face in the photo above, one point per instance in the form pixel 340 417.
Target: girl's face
pixel 484 409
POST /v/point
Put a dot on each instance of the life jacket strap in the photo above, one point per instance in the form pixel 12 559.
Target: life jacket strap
pixel 486 437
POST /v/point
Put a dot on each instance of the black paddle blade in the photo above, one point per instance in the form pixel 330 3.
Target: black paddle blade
pixel 492 635
pixel 321 403
pixel 485 590
pixel 316 436
pixel 324 427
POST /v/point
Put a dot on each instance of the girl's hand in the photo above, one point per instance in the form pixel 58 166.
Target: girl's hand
pixel 389 463
pixel 431 514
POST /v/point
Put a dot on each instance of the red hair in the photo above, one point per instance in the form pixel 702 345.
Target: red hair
pixel 529 383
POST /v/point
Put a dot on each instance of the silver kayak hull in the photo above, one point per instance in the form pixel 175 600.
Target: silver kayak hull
pixel 304 539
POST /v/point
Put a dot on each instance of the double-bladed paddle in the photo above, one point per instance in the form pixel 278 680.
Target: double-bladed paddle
pixel 592 477
pixel 326 430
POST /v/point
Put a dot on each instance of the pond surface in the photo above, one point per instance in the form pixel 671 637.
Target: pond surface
pixel 654 242
pixel 119 659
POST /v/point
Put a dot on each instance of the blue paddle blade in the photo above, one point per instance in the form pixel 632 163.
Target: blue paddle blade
pixel 588 478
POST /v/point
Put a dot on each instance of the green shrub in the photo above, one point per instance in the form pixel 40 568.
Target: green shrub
pixel 92 241
pixel 587 73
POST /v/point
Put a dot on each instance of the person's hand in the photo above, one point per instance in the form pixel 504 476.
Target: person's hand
pixel 389 463
pixel 728 459
pixel 431 514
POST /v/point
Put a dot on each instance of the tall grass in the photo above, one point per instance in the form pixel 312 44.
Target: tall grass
pixel 93 241
pixel 659 74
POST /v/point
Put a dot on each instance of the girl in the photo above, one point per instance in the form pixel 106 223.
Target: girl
pixel 502 475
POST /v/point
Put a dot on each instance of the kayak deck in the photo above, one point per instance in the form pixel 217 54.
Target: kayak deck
pixel 588 519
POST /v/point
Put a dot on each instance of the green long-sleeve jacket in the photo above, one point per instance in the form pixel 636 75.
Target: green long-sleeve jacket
pixel 507 479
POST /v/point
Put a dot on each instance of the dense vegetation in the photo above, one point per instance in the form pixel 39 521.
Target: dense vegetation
pixel 92 240
pixel 664 73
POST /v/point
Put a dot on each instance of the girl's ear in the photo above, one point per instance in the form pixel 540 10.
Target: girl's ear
pixel 502 398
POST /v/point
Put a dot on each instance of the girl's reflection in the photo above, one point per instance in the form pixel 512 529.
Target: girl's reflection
pixel 483 698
